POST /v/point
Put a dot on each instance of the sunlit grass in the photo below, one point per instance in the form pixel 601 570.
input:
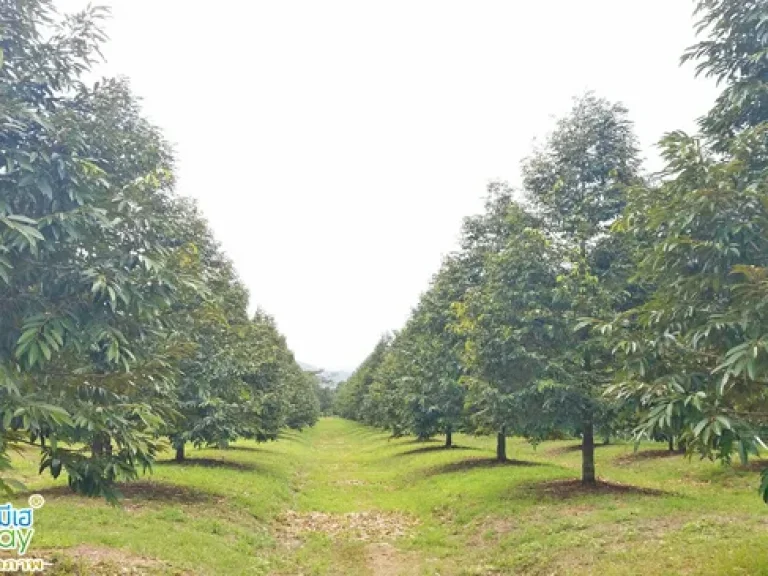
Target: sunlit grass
pixel 471 517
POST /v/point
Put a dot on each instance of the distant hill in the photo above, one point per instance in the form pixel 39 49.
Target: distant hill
pixel 332 376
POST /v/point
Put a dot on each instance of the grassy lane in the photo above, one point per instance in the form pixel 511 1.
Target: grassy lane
pixel 345 499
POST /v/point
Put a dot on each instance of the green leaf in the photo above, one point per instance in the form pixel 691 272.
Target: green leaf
pixel 45 187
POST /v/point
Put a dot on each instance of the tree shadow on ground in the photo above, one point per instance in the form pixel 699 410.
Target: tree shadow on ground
pixel 429 449
pixel 214 463
pixel 479 463
pixel 752 466
pixel 647 455
pixel 576 448
pixel 246 449
pixel 136 492
pixel 567 489
pixel 421 442
pixel 290 436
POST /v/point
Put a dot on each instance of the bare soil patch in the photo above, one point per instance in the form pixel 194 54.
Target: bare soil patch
pixel 372 526
pixel 101 560
pixel 386 560
pixel 489 531
pixel 565 489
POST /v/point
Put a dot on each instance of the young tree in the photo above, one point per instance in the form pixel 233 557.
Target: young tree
pixel 429 370
pixel 578 183
pixel 483 236
pixel 512 326
pixel 210 323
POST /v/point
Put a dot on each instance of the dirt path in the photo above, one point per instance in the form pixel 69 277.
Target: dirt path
pixel 342 505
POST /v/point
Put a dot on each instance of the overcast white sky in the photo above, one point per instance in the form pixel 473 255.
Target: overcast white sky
pixel 336 145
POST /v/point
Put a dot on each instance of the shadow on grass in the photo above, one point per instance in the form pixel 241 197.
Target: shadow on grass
pixel 366 433
pixel 752 466
pixel 213 463
pixel 430 449
pixel 136 492
pixel 647 455
pixel 246 449
pixel 290 436
pixel 576 448
pixel 567 489
pixel 421 442
pixel 479 463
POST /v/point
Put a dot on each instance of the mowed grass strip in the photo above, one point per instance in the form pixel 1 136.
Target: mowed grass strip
pixel 345 499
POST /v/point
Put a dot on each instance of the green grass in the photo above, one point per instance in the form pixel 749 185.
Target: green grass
pixel 433 511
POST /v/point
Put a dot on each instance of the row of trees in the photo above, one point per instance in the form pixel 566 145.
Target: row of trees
pixel 122 323
pixel 596 299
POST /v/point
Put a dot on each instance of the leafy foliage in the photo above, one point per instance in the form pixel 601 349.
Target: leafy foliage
pixel 605 300
pixel 693 353
pixel 120 319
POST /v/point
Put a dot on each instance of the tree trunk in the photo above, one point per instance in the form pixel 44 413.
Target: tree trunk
pixel 501 445
pixel 180 452
pixel 101 445
pixel 606 439
pixel 588 453
pixel 671 443
pixel 97 447
pixel 448 438
pixel 42 440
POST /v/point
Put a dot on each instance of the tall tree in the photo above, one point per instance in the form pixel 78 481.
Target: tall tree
pixel 578 182
pixel 512 327
pixel 482 236
pixel 83 278
pixel 430 351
